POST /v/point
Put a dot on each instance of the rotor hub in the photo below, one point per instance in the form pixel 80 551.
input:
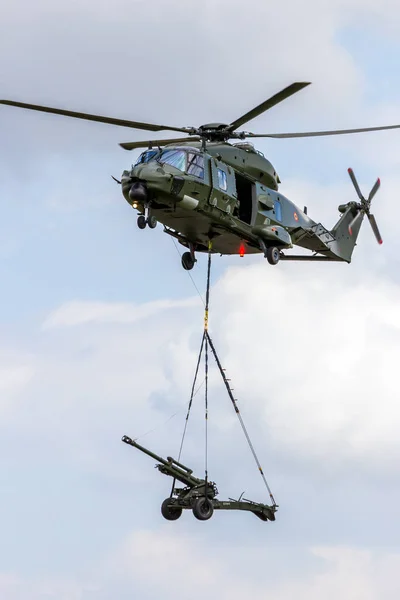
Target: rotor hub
pixel 216 132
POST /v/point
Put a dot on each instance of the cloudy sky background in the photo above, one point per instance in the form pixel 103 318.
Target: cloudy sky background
pixel 100 326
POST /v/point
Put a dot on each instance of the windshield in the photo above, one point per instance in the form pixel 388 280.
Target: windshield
pixel 195 164
pixel 175 158
pixel 190 162
pixel 145 157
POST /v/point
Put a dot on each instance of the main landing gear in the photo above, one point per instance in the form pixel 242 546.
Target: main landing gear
pixel 188 259
pixel 271 253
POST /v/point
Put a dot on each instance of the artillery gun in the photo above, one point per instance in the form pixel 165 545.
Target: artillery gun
pixel 198 495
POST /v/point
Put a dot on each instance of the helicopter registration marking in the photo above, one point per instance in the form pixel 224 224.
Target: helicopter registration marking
pixel 189 202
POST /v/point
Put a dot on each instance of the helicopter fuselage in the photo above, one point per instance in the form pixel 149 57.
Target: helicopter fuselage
pixel 227 193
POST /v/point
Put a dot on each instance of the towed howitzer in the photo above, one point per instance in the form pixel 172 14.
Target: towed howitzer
pixel 199 495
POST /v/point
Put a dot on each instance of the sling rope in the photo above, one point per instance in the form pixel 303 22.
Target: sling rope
pixel 189 407
pixel 206 361
pixel 237 411
pixel 205 343
pixel 206 412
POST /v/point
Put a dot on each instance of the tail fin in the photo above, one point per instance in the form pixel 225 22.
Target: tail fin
pixel 346 230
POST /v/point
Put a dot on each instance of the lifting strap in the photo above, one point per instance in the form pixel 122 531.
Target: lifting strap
pixel 205 343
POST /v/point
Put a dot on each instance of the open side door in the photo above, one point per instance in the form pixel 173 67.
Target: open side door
pixel 247 199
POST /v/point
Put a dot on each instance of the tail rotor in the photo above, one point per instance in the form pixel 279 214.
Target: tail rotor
pixel 363 208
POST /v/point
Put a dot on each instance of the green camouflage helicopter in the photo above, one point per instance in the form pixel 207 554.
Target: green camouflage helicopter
pixel 202 188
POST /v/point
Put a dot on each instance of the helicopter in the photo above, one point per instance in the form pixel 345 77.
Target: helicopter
pixel 203 189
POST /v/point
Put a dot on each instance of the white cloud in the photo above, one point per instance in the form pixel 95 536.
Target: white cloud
pixel 348 573
pixel 320 358
pixel 144 564
pixel 14 379
pixel 148 558
pixel 79 313
pixel 14 587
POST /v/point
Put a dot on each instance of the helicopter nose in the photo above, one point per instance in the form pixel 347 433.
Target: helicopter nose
pixel 138 193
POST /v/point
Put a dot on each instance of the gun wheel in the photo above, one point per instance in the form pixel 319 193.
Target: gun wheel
pixel 171 513
pixel 203 509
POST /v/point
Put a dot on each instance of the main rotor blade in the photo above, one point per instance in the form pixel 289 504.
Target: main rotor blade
pixel 374 189
pixel 155 143
pixel 355 183
pixel 279 97
pixel 354 223
pixel 320 133
pixel 89 117
pixel 375 229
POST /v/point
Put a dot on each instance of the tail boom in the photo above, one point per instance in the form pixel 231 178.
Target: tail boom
pixel 346 230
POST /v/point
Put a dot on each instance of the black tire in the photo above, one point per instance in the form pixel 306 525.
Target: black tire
pixel 203 509
pixel 273 255
pixel 170 513
pixel 187 261
pixel 152 222
pixel 141 222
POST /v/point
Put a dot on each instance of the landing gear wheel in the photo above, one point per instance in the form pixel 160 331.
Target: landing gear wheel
pixel 273 255
pixel 170 513
pixel 141 221
pixel 152 222
pixel 187 261
pixel 203 509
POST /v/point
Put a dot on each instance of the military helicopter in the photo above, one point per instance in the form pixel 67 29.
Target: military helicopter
pixel 201 188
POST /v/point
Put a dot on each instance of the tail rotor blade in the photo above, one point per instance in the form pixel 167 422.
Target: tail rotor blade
pixel 374 189
pixel 353 224
pixel 375 229
pixel 354 180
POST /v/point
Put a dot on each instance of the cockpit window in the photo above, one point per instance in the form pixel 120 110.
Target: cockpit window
pixel 195 164
pixel 145 157
pixel 175 158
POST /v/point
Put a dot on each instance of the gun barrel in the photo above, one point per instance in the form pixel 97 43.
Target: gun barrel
pixel 131 442
pixel 169 467
pixel 178 464
pixel 182 476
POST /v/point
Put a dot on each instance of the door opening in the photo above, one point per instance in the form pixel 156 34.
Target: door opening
pixel 244 189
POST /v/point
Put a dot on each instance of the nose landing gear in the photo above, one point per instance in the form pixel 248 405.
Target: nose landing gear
pixel 141 221
pixel 146 218
pixel 151 222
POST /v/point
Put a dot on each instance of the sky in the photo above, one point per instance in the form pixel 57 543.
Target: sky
pixel 100 326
